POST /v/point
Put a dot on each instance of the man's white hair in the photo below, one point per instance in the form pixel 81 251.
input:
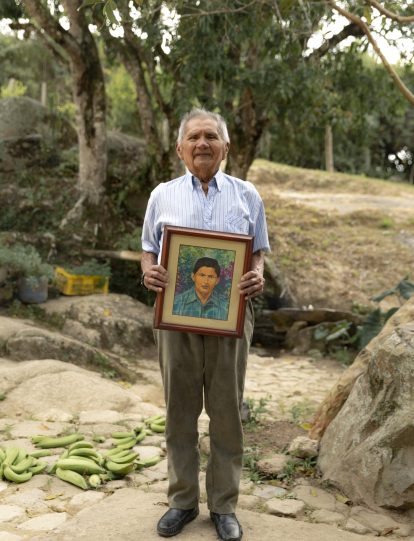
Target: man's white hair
pixel 198 112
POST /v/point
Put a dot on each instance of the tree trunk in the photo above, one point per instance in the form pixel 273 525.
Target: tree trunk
pixel 245 132
pixel 329 158
pixel 337 397
pixel 88 96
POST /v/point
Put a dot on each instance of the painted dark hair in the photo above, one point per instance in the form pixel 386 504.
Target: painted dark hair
pixel 207 262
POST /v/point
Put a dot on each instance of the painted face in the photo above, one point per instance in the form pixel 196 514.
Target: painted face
pixel 205 280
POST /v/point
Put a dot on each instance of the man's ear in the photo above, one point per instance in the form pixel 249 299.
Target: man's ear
pixel 192 276
pixel 226 150
pixel 178 149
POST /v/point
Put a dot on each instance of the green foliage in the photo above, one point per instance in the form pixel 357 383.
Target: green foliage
pixel 131 241
pixel 386 223
pixel 256 410
pixel 92 268
pixel 13 91
pixel 35 313
pixel 300 411
pixel 251 456
pixel 24 261
pixel 375 321
pixel 123 112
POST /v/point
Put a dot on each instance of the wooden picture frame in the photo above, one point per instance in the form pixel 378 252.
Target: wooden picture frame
pixel 177 308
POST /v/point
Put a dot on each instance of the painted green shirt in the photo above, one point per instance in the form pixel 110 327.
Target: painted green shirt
pixel 188 304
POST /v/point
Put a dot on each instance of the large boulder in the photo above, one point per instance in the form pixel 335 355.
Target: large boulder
pixel 25 126
pixel 110 321
pixel 368 449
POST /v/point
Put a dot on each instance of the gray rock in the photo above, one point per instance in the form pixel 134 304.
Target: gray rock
pixel 3 486
pixel 125 147
pixel 45 522
pixel 86 499
pixel 26 429
pixel 135 479
pixel 327 517
pixel 245 412
pixel 146 452
pixel 116 485
pixel 54 414
pixel 273 466
pixel 303 447
pixel 156 488
pixel 10 512
pixel 322 500
pixel 78 391
pixel 287 316
pixel 378 522
pixel 245 488
pixel 306 341
pixel 154 441
pixel 248 502
pixel 129 322
pixel 205 445
pixel 6 536
pixel 356 527
pixel 153 475
pixel 129 511
pixel 76 330
pixel 31 499
pixel 367 450
pixel 265 492
pixel 285 508
pixel 161 467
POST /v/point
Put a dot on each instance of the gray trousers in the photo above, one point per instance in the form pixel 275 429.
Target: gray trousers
pixel 191 364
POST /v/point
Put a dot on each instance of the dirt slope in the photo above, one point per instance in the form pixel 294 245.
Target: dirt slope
pixel 339 238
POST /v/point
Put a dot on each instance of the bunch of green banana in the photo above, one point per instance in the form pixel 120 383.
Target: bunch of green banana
pixel 126 440
pixel 17 466
pixel 148 462
pixel 46 442
pixel 156 423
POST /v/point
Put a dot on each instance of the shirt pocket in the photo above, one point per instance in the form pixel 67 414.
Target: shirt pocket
pixel 236 224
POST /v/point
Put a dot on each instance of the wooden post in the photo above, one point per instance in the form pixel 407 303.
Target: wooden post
pixel 329 159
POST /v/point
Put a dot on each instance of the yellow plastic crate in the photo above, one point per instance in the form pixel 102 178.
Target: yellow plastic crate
pixel 71 284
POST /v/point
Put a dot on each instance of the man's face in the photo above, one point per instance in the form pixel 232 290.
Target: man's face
pixel 205 280
pixel 201 148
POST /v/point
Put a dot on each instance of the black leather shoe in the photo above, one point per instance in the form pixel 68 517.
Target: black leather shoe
pixel 174 521
pixel 227 527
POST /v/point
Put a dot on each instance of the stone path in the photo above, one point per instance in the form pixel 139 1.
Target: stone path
pixel 53 397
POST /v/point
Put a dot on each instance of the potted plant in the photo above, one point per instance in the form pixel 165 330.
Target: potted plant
pixel 26 268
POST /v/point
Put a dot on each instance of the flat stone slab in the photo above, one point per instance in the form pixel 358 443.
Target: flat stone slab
pixel 153 475
pixel 146 452
pixel 45 522
pixel 6 536
pixel 129 511
pixel 248 502
pixel 161 467
pixel 265 492
pixel 26 444
pixel 153 440
pixel 274 465
pixel 3 486
pixel 378 522
pixel 327 517
pixel 10 512
pixel 37 428
pixel 31 499
pixel 54 414
pixel 356 527
pixel 322 500
pixel 285 508
pixel 87 499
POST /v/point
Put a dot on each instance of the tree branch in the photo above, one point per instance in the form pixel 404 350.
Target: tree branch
pixel 398 82
pixel 45 20
pixel 218 12
pixel 350 30
pixel 30 27
pixel 388 13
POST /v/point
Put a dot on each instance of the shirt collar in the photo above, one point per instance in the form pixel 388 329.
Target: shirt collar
pixel 192 297
pixel 218 179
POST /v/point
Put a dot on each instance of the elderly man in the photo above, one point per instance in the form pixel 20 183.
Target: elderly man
pixel 204 198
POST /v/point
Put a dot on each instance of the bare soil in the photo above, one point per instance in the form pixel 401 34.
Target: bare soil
pixel 339 238
pixel 273 436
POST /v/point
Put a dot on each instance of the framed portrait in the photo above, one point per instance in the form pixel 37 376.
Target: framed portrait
pixel 204 268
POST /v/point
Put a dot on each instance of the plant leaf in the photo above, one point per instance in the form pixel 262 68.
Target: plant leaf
pixel 342 499
pixel 320 333
pixel 342 330
pixel 313 493
pixel 388 530
pixel 89 2
pixel 378 298
pixel 390 313
pixel 372 327
pixel 406 289
pixel 109 11
pixel 306 426
pixel 367 15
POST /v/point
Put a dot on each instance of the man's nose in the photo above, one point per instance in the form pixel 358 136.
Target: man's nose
pixel 203 144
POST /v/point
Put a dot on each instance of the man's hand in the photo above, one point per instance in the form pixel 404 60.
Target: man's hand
pixel 251 284
pixel 156 277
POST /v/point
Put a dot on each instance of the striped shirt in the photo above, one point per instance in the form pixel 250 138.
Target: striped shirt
pixel 188 304
pixel 232 206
